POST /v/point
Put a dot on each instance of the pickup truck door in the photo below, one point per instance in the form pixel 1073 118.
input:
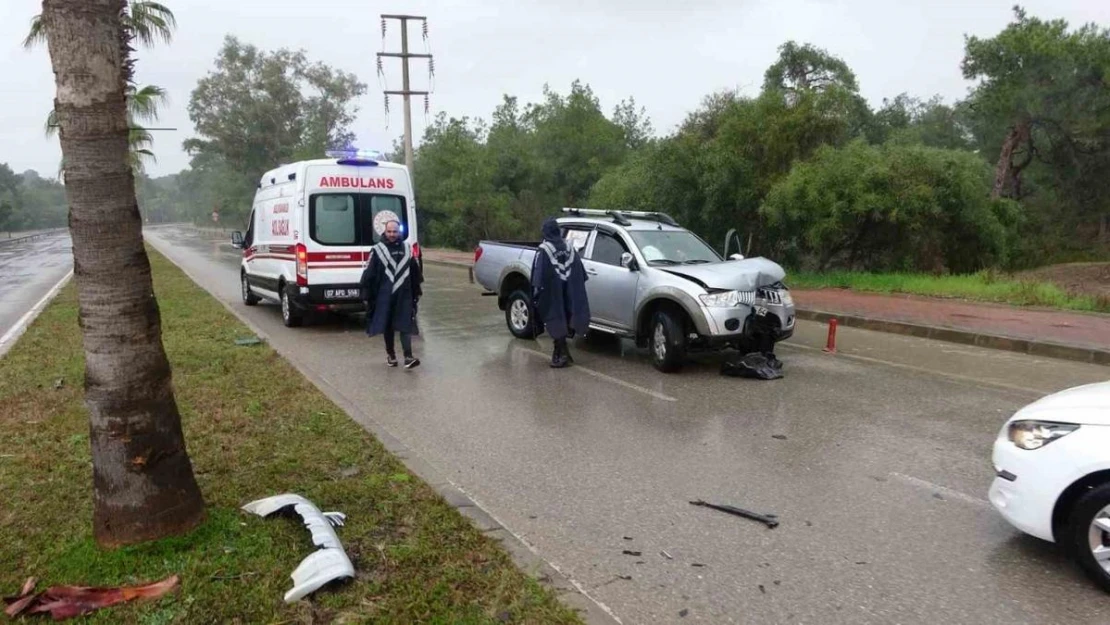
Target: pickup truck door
pixel 610 287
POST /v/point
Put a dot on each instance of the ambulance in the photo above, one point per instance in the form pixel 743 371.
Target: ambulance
pixel 312 227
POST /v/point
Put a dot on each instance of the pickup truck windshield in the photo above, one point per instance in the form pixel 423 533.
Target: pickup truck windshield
pixel 673 247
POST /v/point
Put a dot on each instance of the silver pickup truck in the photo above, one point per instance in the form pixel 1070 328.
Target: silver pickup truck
pixel 652 281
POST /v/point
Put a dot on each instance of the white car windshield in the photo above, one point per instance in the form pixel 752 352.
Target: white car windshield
pixel 673 247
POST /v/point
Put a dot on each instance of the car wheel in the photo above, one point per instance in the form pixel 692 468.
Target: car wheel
pixel 249 298
pixel 667 343
pixel 1089 533
pixel 290 316
pixel 518 315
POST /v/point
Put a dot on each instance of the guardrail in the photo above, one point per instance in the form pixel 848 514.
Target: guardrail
pixel 32 237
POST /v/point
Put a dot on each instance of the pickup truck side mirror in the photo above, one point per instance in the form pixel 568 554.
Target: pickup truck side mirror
pixel 237 239
pixel 736 257
pixel 628 261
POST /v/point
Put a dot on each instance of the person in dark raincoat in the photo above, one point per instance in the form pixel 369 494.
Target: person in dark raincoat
pixel 559 292
pixel 391 288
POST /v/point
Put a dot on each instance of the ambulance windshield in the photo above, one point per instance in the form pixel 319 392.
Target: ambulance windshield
pixel 354 218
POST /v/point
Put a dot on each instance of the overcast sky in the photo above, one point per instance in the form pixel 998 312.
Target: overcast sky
pixel 665 53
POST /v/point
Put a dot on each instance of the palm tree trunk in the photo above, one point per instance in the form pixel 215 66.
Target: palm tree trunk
pixel 142 478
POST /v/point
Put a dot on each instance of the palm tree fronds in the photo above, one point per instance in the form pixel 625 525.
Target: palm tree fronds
pixel 37 34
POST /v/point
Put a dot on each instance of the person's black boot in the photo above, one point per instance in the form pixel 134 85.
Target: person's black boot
pixel 558 355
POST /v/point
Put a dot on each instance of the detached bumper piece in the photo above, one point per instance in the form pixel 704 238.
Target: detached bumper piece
pixel 330 563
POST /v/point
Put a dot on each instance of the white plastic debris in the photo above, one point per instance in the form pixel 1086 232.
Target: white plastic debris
pixel 330 562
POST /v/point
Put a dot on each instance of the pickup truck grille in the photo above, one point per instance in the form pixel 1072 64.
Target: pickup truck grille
pixel 772 296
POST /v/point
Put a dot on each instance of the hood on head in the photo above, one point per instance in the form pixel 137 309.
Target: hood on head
pixel 552 233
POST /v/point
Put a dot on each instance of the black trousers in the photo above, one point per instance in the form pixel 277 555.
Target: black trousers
pixel 406 342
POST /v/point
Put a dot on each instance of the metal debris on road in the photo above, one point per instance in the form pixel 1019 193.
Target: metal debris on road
pixel 328 564
pixel 770 520
pixel 666 555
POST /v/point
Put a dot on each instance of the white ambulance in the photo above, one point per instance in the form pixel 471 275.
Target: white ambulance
pixel 312 227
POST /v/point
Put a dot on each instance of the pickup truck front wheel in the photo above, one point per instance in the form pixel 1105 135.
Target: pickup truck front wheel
pixel 518 315
pixel 668 342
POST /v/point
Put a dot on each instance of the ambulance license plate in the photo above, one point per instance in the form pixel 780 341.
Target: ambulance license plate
pixel 341 293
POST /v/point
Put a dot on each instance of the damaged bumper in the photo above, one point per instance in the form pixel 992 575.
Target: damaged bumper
pixel 329 563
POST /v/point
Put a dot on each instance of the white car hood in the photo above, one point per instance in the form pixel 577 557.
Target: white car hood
pixel 1085 405
pixel 733 275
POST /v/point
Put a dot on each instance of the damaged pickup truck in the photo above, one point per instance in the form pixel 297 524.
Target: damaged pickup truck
pixel 650 280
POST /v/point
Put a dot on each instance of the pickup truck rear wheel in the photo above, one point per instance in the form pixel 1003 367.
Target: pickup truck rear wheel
pixel 518 315
pixel 668 342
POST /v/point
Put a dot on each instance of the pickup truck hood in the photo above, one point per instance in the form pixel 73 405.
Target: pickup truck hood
pixel 734 275
pixel 1086 405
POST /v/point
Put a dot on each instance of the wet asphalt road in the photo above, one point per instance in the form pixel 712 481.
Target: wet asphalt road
pixel 879 483
pixel 30 269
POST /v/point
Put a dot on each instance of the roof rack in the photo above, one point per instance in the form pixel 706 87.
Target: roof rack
pixel 621 217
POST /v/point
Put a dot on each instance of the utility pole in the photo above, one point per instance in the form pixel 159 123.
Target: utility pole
pixel 405 91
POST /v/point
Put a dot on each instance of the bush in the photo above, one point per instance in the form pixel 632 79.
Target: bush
pixel 893 207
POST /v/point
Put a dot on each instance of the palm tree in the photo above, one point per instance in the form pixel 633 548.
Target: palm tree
pixel 148 22
pixel 143 482
pixel 142 105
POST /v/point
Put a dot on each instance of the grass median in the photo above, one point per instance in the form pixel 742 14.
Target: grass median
pixel 983 286
pixel 254 427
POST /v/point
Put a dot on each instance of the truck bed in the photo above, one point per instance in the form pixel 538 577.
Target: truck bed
pixel 498 257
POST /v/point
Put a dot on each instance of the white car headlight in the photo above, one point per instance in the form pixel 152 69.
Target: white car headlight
pixel 728 299
pixel 1031 435
pixel 724 299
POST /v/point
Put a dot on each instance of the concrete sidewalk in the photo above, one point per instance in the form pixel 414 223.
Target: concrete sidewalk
pixel 1083 337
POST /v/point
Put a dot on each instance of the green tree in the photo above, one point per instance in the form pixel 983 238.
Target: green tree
pixel 454 182
pixel 1043 94
pixel 891 207
pixel 257 109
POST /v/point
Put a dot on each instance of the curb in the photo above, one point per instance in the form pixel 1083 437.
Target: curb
pixel 524 556
pixel 1045 349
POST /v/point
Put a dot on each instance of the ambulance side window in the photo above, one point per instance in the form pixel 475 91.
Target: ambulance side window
pixel 332 219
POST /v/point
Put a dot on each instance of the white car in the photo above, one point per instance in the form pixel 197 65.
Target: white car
pixel 1052 461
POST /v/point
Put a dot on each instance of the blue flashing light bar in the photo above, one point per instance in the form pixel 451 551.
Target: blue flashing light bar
pixel 354 156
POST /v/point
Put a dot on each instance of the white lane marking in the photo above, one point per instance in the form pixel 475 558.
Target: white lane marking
pixel 951 376
pixel 608 378
pixel 937 488
pixel 20 326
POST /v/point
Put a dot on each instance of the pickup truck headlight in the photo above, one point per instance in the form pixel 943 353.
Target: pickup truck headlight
pixel 1031 435
pixel 728 299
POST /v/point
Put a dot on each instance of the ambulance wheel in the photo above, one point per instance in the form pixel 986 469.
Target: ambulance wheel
pixel 249 298
pixel 667 342
pixel 518 316
pixel 290 316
